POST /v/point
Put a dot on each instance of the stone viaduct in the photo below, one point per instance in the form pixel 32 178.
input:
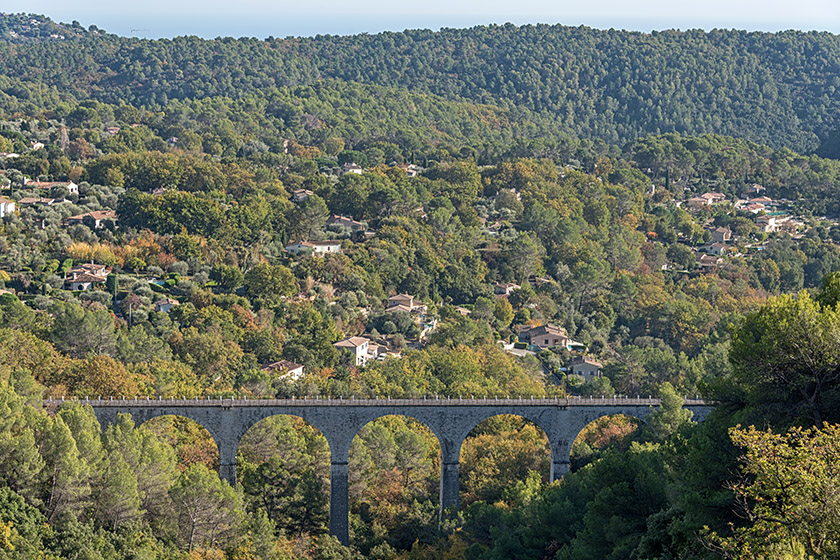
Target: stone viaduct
pixel 340 420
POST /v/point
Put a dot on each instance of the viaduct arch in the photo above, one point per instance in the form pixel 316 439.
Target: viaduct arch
pixel 339 420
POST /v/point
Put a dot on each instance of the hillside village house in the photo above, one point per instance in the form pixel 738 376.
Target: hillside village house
pixel 380 352
pixel 315 247
pixel 713 197
pixel 548 336
pixel 586 367
pixel 7 207
pixel 697 202
pixel 96 219
pixel 537 281
pixel 86 277
pixel 71 187
pixel 709 261
pixel 29 200
pixel 765 200
pixel 349 223
pixel 90 268
pixel 721 234
pixel 398 307
pixel 767 224
pixel 410 169
pixel 770 224
pixel 357 346
pixel 285 368
pixel 165 305
pixel 706 199
pixel 301 194
pixel 407 304
pixel 505 288
pixel 718 249
pixel 351 168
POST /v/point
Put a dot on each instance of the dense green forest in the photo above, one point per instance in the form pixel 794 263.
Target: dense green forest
pixel 163 208
pixel 778 89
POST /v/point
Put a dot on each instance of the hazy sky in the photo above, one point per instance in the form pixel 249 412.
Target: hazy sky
pixel 281 18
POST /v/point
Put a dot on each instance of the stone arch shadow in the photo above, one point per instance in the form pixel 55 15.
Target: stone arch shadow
pixel 577 420
pixel 239 431
pixel 417 418
pixel 289 437
pixel 537 420
pixel 141 416
pixel 413 417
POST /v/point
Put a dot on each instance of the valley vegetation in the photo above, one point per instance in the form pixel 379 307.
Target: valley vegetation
pixel 191 218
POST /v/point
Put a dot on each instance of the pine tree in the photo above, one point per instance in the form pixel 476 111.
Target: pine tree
pixel 117 496
pixel 67 487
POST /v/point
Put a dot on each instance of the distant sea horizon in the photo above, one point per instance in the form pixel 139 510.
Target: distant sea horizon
pixel 159 26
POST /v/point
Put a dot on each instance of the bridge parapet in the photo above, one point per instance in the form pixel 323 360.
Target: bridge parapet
pixel 353 402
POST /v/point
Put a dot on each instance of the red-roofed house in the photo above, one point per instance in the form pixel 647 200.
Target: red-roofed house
pixel 285 368
pixel 81 282
pixel 405 302
pixel 96 218
pixel 357 346
pixel 27 200
pixel 548 336
pixel 505 288
pixel 586 367
pixel 69 185
pixel 346 222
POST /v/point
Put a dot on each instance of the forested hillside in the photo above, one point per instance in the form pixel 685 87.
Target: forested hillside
pixel 778 89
